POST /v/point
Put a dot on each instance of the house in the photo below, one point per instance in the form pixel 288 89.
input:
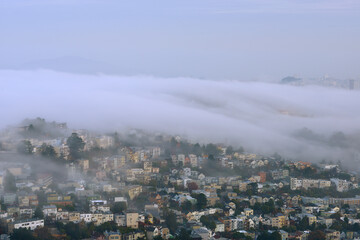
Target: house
pixel 248 212
pixel 152 232
pixel 120 220
pixel 220 227
pixel 56 199
pixel 132 219
pixel 9 198
pixel 30 224
pixel 134 191
pixel 284 235
pixel 86 217
pixel 133 235
pixel 49 210
pixel 227 221
pixel 112 235
pixel 332 234
pixel 62 215
pixel 203 232
pixel 26 212
pixel 74 217
pixel 278 221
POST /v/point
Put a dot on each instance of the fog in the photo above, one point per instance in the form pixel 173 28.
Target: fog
pixel 262 117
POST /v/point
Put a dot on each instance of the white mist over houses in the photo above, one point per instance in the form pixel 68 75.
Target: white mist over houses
pixel 133 180
pixel 263 117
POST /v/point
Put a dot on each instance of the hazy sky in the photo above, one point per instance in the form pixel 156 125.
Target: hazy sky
pixel 249 39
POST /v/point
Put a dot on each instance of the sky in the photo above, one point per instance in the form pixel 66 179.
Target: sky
pixel 212 39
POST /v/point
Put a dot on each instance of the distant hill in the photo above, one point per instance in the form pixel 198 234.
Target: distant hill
pixel 290 79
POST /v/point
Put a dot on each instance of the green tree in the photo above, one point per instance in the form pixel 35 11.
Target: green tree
pixel 304 224
pixel 38 213
pixel 201 201
pixel 10 182
pixel 25 147
pixel 275 235
pixel 212 149
pixel 183 235
pixel 208 222
pixel 107 226
pixel 170 220
pixel 117 142
pixel 48 151
pixel 317 235
pixel 43 233
pixel 21 234
pixel 196 149
pixel 238 236
pixel 72 230
pixel 186 206
pixel 76 145
pixel 336 216
pixel 229 150
pixel 118 207
pixel 269 236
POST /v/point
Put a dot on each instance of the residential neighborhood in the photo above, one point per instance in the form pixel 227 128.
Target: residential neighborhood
pixel 58 183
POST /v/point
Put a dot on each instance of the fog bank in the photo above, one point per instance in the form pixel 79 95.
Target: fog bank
pixel 262 117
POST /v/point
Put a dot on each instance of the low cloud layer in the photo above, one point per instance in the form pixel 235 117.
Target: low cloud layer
pixel 262 117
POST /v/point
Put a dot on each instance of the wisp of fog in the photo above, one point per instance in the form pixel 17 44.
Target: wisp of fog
pixel 262 117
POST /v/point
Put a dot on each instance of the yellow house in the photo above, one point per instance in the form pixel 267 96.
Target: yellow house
pixel 278 221
pixel 112 235
pixel 134 191
pixel 74 217
pixel 312 218
pixel 248 212
pixel 100 218
pixel 97 218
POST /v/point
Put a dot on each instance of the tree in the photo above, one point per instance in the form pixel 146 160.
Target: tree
pixel 337 216
pixel 72 230
pixel 21 234
pixel 212 149
pixel 170 220
pixel 280 203
pixel 238 236
pixel 252 189
pixel 196 149
pixel 266 236
pixel 186 206
pixel 107 226
pixel 192 186
pixel 9 182
pixel 117 142
pixel 275 235
pixel 48 151
pixel 43 233
pixel 345 206
pixel 304 223
pixel 208 222
pixel 183 235
pixel 76 145
pixel 25 147
pixel 229 150
pixel 38 213
pixel 317 235
pixel 201 201
pixel 118 207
